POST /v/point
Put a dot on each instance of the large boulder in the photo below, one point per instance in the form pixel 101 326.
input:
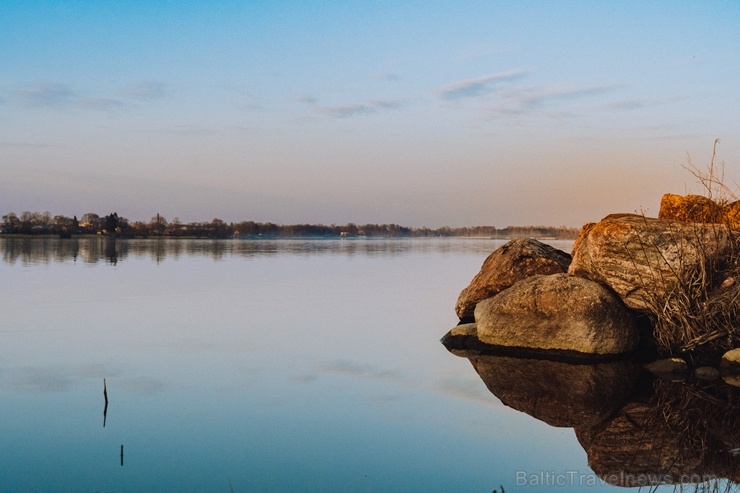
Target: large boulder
pixel 643 258
pixel 699 209
pixel 690 208
pixel 516 260
pixel 557 312
pixel 558 393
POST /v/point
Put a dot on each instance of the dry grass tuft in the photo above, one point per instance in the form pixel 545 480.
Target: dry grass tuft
pixel 712 178
pixel 702 309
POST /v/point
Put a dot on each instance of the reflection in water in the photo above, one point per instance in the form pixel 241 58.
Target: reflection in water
pixel 105 408
pixel 560 394
pixel 637 430
pixel 94 249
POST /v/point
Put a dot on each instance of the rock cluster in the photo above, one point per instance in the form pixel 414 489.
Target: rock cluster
pixel 532 310
pixel 523 297
pixel 531 295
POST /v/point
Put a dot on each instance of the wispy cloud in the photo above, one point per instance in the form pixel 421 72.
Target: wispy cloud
pixel 466 388
pixel 478 87
pixel 59 95
pixel 630 104
pixel 145 91
pixel 30 145
pixel 344 367
pixel 362 108
pixel 38 379
pixel 44 379
pixel 544 97
pixel 141 385
pixel 45 95
pixel 387 77
pixel 637 104
pixel 100 103
pixel 305 99
pixel 538 101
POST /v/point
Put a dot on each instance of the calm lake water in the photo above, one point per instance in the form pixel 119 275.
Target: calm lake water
pixel 254 366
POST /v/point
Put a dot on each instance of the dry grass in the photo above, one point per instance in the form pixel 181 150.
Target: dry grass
pixel 712 178
pixel 698 305
pixel 702 309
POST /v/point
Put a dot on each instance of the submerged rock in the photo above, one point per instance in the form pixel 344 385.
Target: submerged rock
pixel 643 258
pixel 732 379
pixel 465 330
pixel 559 312
pixel 706 373
pixel 730 367
pixel 516 260
pixel 669 368
pixel 731 359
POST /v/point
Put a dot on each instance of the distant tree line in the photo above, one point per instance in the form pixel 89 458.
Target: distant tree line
pixel 43 223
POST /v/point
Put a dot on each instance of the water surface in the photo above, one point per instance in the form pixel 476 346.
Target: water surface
pixel 238 365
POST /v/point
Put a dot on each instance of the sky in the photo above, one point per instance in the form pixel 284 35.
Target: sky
pixel 414 113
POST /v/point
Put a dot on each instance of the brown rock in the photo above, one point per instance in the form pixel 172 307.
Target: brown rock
pixel 731 214
pixel 514 261
pixel 699 209
pixel 558 312
pixel 465 330
pixel 462 340
pixel 560 394
pixel 690 208
pixel 642 258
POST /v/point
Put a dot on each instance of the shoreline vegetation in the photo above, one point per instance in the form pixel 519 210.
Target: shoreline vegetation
pixel 37 224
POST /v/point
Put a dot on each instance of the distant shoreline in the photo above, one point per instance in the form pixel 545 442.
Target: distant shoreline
pixel 36 224
pixel 21 236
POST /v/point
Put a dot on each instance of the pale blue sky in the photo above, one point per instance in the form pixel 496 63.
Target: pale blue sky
pixel 417 113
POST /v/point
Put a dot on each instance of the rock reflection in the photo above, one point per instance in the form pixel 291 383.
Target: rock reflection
pixel 677 431
pixel 560 394
pixel 637 429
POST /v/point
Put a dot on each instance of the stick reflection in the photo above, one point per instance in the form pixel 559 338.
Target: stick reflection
pixel 105 408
